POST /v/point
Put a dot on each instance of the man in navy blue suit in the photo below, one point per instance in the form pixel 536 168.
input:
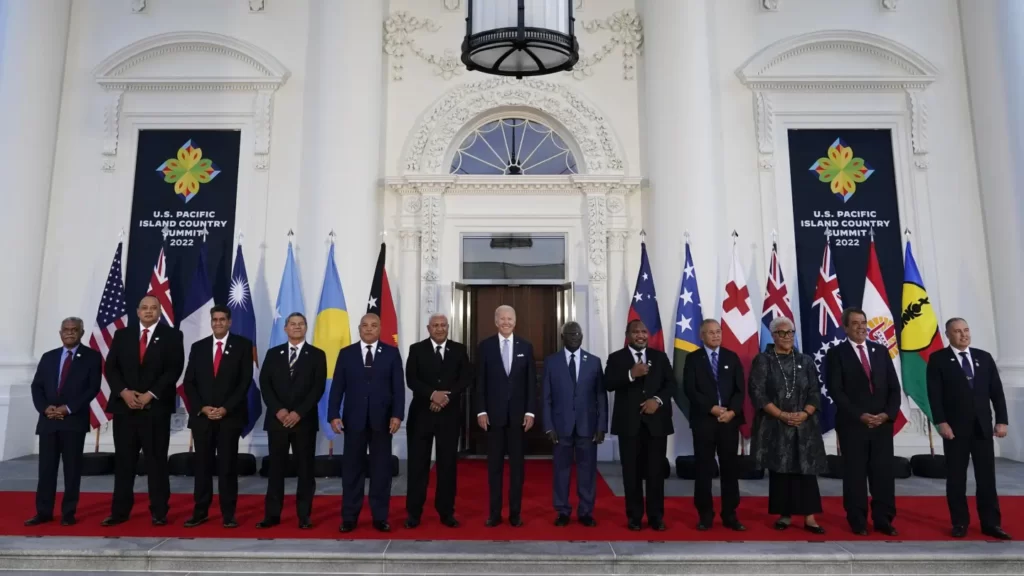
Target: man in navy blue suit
pixel 505 399
pixel 66 381
pixel 575 420
pixel 368 379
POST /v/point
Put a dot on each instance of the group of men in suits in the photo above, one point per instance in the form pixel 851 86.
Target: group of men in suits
pixel 367 404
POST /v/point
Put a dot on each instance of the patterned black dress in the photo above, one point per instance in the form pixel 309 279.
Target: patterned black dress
pixel 793 456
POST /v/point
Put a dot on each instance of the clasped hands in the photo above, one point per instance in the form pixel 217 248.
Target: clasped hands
pixel 723 414
pixel 136 400
pixel 288 419
pixel 793 418
pixel 56 412
pixel 339 426
pixel 212 413
pixel 438 400
pixel 874 420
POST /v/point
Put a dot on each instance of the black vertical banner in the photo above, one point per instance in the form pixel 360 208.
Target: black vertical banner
pixel 844 181
pixel 186 181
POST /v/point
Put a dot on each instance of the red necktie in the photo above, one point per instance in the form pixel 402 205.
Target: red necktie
pixel 217 357
pixel 64 370
pixel 142 343
pixel 867 367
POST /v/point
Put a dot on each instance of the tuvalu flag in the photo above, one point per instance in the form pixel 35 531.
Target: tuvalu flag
pixel 380 302
pixel 331 332
pixel 687 340
pixel 881 328
pixel 920 334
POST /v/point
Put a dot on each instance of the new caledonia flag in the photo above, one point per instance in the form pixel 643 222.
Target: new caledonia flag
pixel 644 306
pixel 920 334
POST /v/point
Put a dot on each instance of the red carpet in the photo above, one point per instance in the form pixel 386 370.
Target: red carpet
pixel 920 517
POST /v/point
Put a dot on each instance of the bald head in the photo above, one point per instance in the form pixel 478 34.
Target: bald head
pixel 369 328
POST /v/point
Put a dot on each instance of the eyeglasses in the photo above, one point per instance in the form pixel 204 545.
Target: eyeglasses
pixel 784 333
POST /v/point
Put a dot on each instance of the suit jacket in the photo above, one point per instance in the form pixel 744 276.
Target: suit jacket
pixel 372 396
pixel 228 389
pixel 424 375
pixel 298 392
pixel 158 372
pixel 506 398
pixel 849 387
pixel 80 387
pixel 660 382
pixel 952 399
pixel 701 388
pixel 583 407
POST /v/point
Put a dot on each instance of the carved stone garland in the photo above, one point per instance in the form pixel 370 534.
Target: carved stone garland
pixel 627 32
pixel 430 248
pixel 398 39
pixel 597 224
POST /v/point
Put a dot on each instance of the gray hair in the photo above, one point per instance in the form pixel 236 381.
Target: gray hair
pixel 430 319
pixel 778 322
pixel 954 320
pixel 504 308
pixel 78 322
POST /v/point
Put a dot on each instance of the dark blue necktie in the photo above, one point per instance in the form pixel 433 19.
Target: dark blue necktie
pixel 572 368
pixel 965 363
pixel 714 373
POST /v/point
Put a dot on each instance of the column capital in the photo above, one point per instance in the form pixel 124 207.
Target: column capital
pixel 410 239
pixel 617 240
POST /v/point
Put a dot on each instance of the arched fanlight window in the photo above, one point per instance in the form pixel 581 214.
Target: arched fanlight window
pixel 514 146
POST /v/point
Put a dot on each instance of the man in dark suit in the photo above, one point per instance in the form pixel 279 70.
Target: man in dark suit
pixel 575 420
pixel 963 388
pixel 713 383
pixel 143 366
pixel 368 379
pixel 505 397
pixel 66 381
pixel 863 383
pixel 642 419
pixel 292 382
pixel 437 371
pixel 216 384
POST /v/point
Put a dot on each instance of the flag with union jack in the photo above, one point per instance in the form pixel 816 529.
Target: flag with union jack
pixel 160 288
pixel 776 302
pixel 829 306
pixel 111 317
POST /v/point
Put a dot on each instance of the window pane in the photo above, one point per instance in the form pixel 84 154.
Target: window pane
pixel 513 146
pixel 513 257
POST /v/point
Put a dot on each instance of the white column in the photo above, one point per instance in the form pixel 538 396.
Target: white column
pixel 410 321
pixel 681 140
pixel 342 135
pixel 35 36
pixel 993 36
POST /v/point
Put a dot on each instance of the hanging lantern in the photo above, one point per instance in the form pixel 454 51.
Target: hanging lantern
pixel 520 37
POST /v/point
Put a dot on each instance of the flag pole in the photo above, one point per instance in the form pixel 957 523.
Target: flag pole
pixel 931 441
pixel 97 449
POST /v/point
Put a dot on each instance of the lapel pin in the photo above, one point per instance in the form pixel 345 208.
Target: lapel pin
pixel 156 339
pixel 226 352
pixel 952 359
pixel 584 357
pixel 78 355
pixel 282 351
pixel 519 355
pixel 798 366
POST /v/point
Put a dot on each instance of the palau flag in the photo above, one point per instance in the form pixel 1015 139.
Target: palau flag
pixel 920 334
pixel 243 323
pixel 687 340
pixel 289 300
pixel 331 332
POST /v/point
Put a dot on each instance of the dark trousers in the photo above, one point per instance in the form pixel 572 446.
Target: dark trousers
pixel 867 461
pixel 149 431
pixel 53 448
pixel 503 440
pixel 978 446
pixel 445 430
pixel 584 451
pixel 711 437
pixel 216 449
pixel 643 456
pixel 354 469
pixel 303 444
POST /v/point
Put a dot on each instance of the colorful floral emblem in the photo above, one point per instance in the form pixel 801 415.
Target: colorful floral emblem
pixel 882 331
pixel 842 170
pixel 188 171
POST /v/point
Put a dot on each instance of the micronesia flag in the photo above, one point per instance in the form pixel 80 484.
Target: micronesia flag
pixel 331 332
pixel 829 305
pixel 644 306
pixel 289 300
pixel 776 302
pixel 243 323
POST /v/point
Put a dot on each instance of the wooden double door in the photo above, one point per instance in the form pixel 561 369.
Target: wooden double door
pixel 540 312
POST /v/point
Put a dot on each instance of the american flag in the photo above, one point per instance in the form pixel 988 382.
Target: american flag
pixel 160 288
pixel 829 333
pixel 111 317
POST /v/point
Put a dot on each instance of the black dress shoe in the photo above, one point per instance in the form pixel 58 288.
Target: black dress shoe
pixel 859 531
pixel 305 524
pixel 191 522
pixel 37 520
pixel 562 520
pixel 814 529
pixel 382 526
pixel 347 527
pixel 996 532
pixel 268 523
pixel 886 529
pixel 515 521
pixel 734 525
pixel 450 521
pixel 492 521
pixel 781 524
pixel 113 521
pixel 230 523
pixel 411 522
pixel 161 521
pixel 657 525
pixel 703 526
pixel 959 531
pixel 68 521
pixel 588 521
pixel 634 525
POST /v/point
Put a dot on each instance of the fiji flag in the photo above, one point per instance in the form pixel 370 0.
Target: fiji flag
pixel 644 306
pixel 243 323
pixel 289 300
pixel 332 332
pixel 829 306
pixel 691 316
pixel 776 302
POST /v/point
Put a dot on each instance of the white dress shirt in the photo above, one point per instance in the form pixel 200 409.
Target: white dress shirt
pixel 434 345
pixel 856 350
pixel 373 349
pixel 643 360
pixel 959 358
pixel 512 359
pixel 223 344
pixel 149 339
pixel 297 347
pixel 579 359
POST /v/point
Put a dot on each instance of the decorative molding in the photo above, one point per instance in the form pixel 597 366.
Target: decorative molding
pixel 257 6
pixel 422 188
pixel 138 6
pixel 764 122
pixel 429 142
pixel 430 225
pixel 890 5
pixel 597 223
pixel 769 5
pixel 410 239
pixel 766 162
pixel 398 39
pixel 617 240
pixel 577 6
pixel 412 204
pixel 627 33
pixel 124 71
pixel 615 205
pixel 921 162
pixel 918 121
pixel 451 5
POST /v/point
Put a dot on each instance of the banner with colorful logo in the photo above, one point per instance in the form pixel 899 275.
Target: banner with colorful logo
pixel 186 183
pixel 844 183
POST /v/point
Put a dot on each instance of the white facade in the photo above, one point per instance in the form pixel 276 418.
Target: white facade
pixel 350 112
